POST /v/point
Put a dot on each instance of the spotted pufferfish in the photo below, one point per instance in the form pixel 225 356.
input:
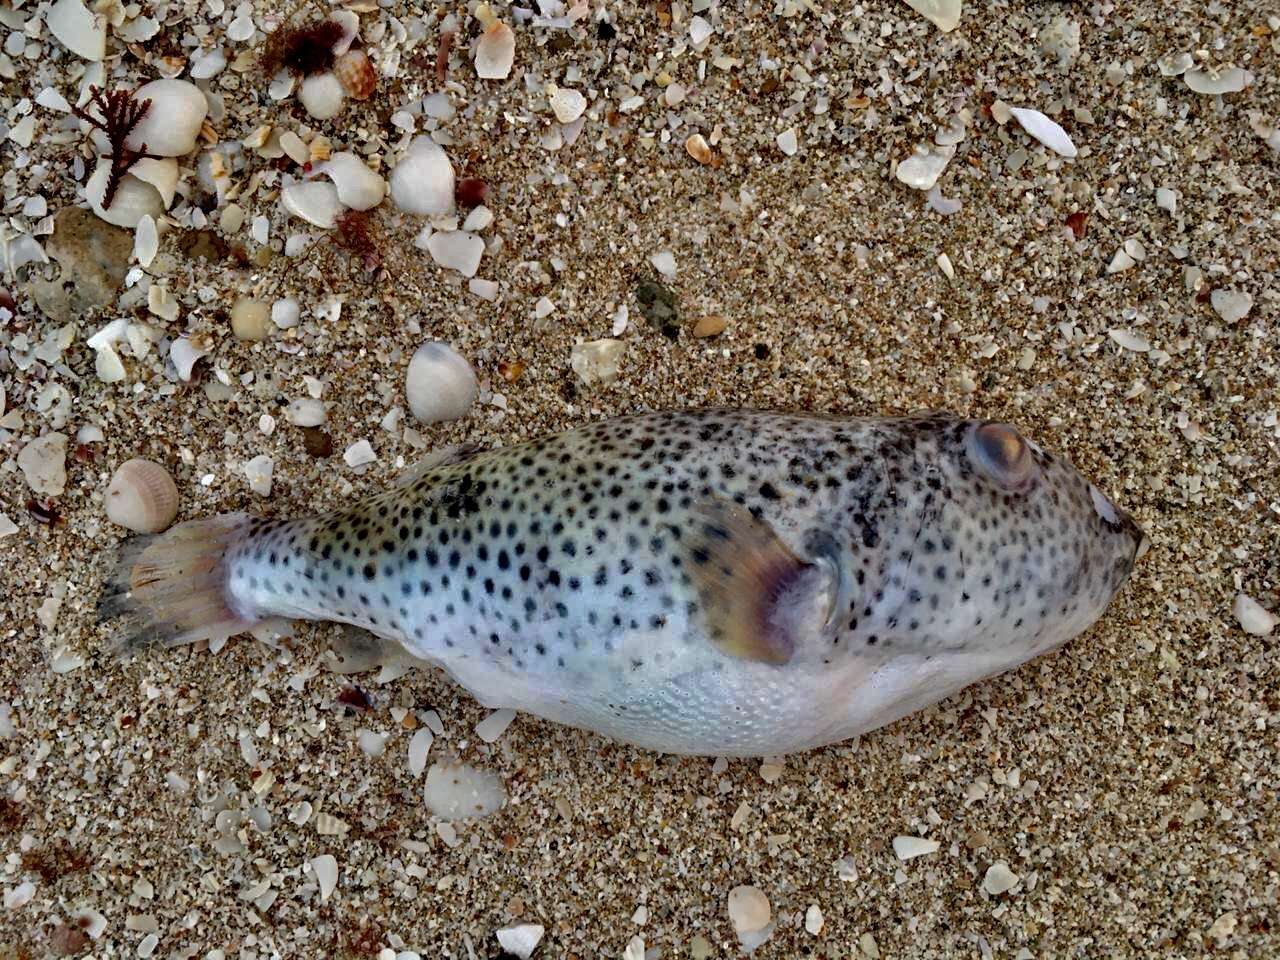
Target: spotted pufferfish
pixel 714 582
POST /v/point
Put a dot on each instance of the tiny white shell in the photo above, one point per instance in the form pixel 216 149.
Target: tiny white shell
pixel 184 353
pixel 325 867
pixel 455 791
pixel 161 173
pixel 1211 81
pixel 358 187
pixel 423 181
pixel 172 122
pixel 567 104
pixel 520 939
pixel 78 29
pixel 313 201
pixel 456 250
pixel 322 95
pixel 440 384
pixel 141 497
pixel 496 52
pixel 1045 130
pixel 749 909
pixel 146 241
pixel 922 169
pixel 1254 618
pixel 350 24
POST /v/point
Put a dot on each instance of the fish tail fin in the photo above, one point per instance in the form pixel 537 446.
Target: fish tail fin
pixel 171 588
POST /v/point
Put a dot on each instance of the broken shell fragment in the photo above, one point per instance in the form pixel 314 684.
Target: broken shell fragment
pixel 496 52
pixel 568 105
pixel 1210 81
pixel 141 497
pixel 172 122
pixel 922 169
pixel 1045 130
pixel 943 14
pixel 358 187
pixel 313 201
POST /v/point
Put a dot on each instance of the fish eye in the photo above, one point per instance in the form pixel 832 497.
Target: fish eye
pixel 1003 455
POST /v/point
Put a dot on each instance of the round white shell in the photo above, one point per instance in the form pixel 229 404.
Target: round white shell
pixel 322 95
pixel 313 201
pixel 134 198
pixel 440 384
pixel 77 29
pixel 567 104
pixel 423 181
pixel 141 496
pixel 172 122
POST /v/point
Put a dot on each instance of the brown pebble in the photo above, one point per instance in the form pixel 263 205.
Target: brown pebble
pixel 470 192
pixel 510 370
pixel 67 941
pixel 710 325
pixel 317 442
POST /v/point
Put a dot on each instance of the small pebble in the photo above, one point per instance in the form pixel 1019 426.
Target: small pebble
pixel 1253 617
pixel 813 919
pixel 258 471
pixel 710 325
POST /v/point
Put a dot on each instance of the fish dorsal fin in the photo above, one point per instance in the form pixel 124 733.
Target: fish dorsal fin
pixel 444 457
pixel 759 599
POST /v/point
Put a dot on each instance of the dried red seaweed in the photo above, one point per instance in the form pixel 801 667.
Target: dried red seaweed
pixel 119 114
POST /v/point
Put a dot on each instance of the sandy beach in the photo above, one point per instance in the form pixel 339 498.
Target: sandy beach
pixel 724 215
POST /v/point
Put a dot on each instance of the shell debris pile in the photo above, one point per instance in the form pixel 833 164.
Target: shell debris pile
pixel 265 258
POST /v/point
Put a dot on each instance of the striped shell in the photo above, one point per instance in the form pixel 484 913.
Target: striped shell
pixel 356 74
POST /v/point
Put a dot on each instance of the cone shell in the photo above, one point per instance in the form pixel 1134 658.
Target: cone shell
pixel 142 497
pixel 355 72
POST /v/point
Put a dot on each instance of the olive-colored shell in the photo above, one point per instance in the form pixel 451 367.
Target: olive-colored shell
pixel 355 72
pixel 142 497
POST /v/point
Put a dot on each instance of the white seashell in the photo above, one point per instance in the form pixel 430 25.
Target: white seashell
pixel 1175 64
pixel 107 365
pixel 1208 80
pixel 456 791
pixel 1129 340
pixel 787 142
pixel 322 96
pixel 999 879
pixel 184 354
pixel 161 174
pixel 907 847
pixel 172 122
pixel 598 361
pixel 313 201
pixel 567 104
pixel 20 895
pixel 749 909
pixel 456 250
pixel 1045 130
pixel 1254 618
pixel 492 727
pixel 813 919
pixel 423 181
pixel 1231 305
pixel 146 241
pixel 943 205
pixel 520 939
pixel 484 289
pixel 305 412
pixel 141 497
pixel 358 187
pixel 325 867
pixel 77 29
pixel 1167 199
pixel 43 462
pixel 372 743
pixel 134 199
pixel 922 169
pixel 259 472
pixel 700 31
pixel 419 745
pixel 478 219
pixel 440 384
pixel 664 261
pixel 286 313
pixel 350 24
pixel 495 52
pixel 1121 261
pixel 207 64
pixel 943 14
pixel 359 454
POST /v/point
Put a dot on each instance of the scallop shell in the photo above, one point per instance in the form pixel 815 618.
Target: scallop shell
pixel 355 72
pixel 496 52
pixel 142 496
pixel 172 122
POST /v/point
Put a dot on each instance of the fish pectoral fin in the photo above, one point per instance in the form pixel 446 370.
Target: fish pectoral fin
pixel 759 599
pixel 444 457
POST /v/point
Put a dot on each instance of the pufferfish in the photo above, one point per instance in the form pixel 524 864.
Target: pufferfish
pixel 711 582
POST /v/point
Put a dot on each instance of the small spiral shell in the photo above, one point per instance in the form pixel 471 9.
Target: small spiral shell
pixel 142 497
pixel 355 72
